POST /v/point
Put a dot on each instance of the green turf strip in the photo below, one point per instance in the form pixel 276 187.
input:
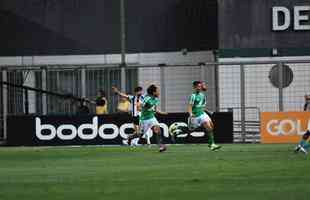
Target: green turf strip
pixel 237 171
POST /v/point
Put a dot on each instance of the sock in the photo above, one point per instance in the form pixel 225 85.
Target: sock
pixel 210 138
pixel 159 139
pixel 135 142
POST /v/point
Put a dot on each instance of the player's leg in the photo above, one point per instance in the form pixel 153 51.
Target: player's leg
pixel 136 133
pixel 193 123
pixel 142 139
pixel 154 124
pixel 157 132
pixel 307 146
pixel 136 126
pixel 143 129
pixel 208 126
pixel 303 141
pixel 304 144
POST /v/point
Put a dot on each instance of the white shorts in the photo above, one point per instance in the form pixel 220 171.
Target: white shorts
pixel 147 125
pixel 196 122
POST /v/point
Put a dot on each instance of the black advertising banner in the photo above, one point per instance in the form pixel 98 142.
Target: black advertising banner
pixel 101 130
pixel 264 24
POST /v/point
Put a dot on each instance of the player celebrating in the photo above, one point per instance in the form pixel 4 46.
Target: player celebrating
pixel 197 116
pixel 148 119
pixel 304 144
pixel 136 101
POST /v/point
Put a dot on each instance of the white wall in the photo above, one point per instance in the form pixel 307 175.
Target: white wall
pixel 259 91
pixel 176 83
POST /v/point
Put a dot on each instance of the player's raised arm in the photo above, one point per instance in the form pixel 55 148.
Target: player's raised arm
pixel 116 91
pixel 190 105
pixel 190 109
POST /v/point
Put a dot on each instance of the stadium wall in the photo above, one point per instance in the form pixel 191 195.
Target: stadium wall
pixel 175 82
pixel 75 27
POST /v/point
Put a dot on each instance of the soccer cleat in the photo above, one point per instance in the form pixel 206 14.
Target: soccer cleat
pixel 214 147
pixel 303 150
pixel 125 142
pixel 135 142
pixel 162 148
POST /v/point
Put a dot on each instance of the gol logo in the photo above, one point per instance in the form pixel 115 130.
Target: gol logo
pixel 286 127
pixel 283 127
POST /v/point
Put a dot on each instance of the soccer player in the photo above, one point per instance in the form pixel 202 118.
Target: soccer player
pixel 197 115
pixel 304 144
pixel 307 103
pixel 148 119
pixel 135 108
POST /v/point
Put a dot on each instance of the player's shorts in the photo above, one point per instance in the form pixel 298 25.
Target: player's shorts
pixel 306 136
pixel 196 122
pixel 136 120
pixel 147 125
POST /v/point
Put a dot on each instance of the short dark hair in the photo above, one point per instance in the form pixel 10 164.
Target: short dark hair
pixel 138 89
pixel 151 89
pixel 102 93
pixel 195 83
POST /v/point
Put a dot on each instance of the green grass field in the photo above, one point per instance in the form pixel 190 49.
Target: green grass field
pixel 238 171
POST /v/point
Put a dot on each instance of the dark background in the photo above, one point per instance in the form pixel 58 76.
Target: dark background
pixel 62 27
pixel 248 24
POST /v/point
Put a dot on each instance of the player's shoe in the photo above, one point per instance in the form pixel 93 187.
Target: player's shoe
pixel 215 147
pixel 136 142
pixel 303 150
pixel 299 148
pixel 162 148
pixel 125 142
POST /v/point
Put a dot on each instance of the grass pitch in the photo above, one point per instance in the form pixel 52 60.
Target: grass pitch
pixel 183 172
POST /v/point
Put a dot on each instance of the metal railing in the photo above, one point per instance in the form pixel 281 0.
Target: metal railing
pixel 240 85
pixel 247 131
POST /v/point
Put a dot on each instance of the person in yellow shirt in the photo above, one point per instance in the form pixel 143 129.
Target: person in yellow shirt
pixel 101 103
pixel 123 105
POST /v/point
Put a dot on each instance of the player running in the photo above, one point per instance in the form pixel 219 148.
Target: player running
pixel 197 115
pixel 148 119
pixel 304 144
pixel 135 107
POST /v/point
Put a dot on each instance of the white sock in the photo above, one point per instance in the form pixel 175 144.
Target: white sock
pixel 135 142
pixel 303 150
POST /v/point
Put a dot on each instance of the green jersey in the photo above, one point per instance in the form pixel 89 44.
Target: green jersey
pixel 198 102
pixel 149 107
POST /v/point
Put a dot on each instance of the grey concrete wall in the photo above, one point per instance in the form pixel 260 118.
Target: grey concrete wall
pixel 176 82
